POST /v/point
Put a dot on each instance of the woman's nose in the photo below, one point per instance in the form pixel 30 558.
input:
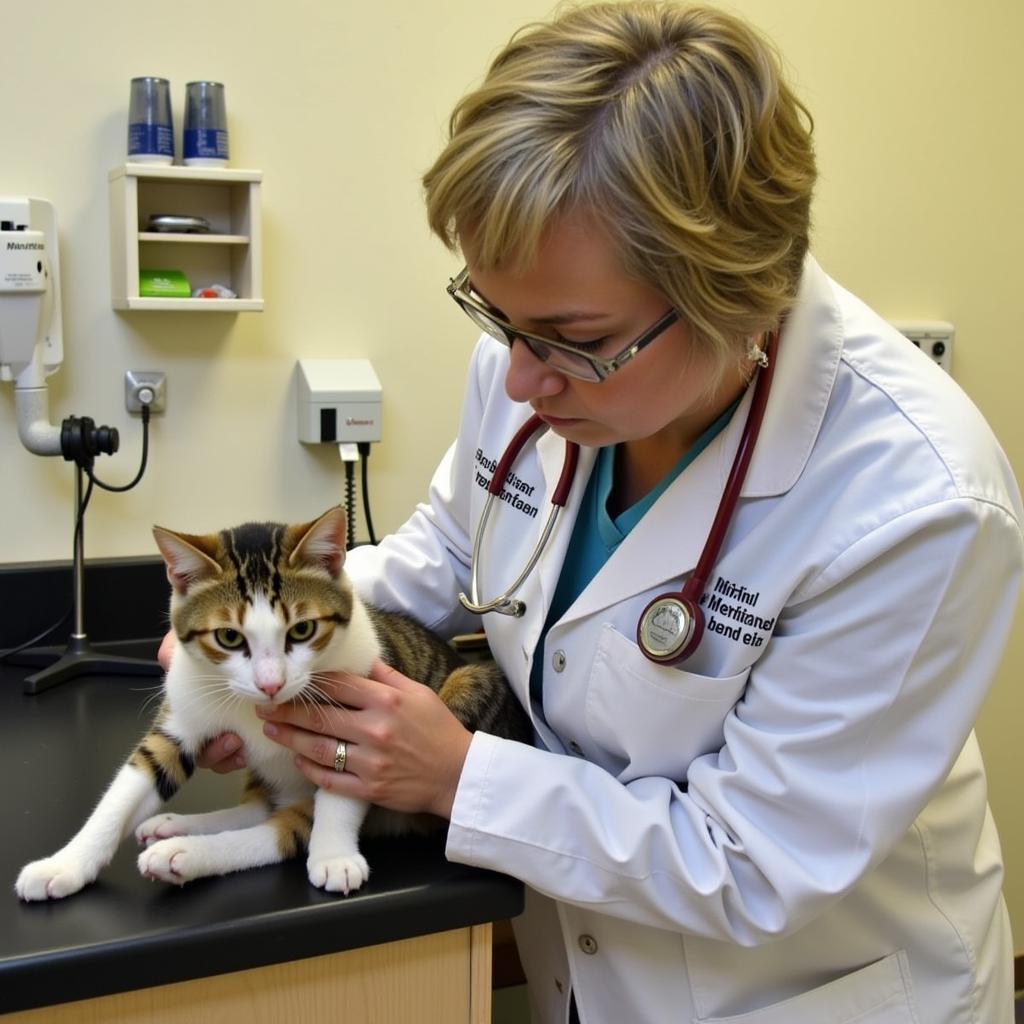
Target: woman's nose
pixel 528 377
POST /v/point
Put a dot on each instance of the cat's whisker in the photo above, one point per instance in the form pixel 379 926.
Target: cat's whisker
pixel 152 699
pixel 318 698
pixel 326 677
pixel 214 687
pixel 156 690
pixel 314 688
pixel 210 697
pixel 306 699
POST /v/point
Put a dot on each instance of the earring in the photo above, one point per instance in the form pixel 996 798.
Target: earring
pixel 756 354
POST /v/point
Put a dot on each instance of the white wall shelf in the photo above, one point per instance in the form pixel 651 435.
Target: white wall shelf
pixel 230 254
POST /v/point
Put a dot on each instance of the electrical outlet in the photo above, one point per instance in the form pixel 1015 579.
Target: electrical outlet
pixel 933 337
pixel 145 387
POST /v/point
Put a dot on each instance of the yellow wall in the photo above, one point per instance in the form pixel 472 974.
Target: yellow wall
pixel 342 105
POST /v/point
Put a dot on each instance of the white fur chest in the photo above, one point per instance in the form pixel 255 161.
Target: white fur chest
pixel 195 717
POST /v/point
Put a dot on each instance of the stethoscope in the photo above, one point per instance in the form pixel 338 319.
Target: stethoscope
pixel 671 626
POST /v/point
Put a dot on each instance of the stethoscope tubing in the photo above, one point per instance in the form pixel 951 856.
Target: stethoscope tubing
pixel 504 603
pixel 516 445
pixel 698 580
pixel 682 608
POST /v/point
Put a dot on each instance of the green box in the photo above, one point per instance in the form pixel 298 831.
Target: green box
pixel 164 284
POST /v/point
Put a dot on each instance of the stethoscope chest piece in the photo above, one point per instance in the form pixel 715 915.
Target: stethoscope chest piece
pixel 669 628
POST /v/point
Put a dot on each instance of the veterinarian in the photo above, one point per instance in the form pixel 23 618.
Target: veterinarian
pixel 789 826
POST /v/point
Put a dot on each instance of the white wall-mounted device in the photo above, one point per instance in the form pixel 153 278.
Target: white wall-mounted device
pixel 31 328
pixel 339 401
pixel 31 348
pixel 933 337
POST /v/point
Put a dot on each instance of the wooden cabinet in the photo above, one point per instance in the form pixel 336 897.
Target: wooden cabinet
pixel 435 979
pixel 229 254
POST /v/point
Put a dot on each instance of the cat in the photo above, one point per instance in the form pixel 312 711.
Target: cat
pixel 259 611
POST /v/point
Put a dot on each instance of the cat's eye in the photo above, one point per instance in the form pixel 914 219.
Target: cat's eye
pixel 229 639
pixel 303 630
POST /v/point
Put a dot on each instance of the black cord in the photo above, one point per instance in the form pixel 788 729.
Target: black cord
pixel 142 467
pixel 364 452
pixel 350 503
pixel 4 655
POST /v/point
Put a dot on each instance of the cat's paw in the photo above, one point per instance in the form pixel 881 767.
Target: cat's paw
pixel 338 874
pixel 177 860
pixel 52 878
pixel 161 826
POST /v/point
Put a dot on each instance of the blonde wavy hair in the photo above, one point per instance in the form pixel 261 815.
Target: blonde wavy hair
pixel 673 125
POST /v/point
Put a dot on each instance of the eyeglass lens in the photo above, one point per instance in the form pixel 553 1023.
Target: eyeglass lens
pixel 576 365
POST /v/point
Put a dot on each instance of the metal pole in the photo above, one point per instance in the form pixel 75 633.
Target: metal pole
pixel 78 633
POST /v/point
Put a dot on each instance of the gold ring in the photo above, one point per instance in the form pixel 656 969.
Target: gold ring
pixel 340 756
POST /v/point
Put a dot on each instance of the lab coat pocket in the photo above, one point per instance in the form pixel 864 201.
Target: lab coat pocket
pixel 877 994
pixel 654 719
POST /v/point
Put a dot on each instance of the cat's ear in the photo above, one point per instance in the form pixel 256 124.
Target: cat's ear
pixel 189 559
pixel 321 543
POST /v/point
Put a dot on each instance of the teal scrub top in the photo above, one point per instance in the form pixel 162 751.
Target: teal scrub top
pixel 596 534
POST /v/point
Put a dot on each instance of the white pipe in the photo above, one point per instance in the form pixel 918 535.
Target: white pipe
pixel 36 431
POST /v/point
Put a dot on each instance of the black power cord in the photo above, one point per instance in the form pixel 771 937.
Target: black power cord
pixel 4 655
pixel 349 456
pixel 142 465
pixel 350 501
pixel 364 452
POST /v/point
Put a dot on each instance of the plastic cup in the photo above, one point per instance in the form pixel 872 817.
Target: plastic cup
pixel 206 125
pixel 150 129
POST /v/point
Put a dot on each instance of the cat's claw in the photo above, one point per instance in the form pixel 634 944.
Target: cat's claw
pixel 338 874
pixel 161 826
pixel 52 878
pixel 170 860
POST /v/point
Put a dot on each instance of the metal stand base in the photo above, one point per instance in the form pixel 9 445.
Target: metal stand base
pixel 78 658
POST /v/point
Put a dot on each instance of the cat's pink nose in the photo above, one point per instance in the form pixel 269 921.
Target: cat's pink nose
pixel 271 688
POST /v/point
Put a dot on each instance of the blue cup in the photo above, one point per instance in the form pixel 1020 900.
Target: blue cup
pixel 150 129
pixel 206 125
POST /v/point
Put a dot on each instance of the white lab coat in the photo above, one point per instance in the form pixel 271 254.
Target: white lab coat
pixel 791 828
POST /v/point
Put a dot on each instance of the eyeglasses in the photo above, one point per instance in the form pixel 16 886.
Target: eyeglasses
pixel 562 355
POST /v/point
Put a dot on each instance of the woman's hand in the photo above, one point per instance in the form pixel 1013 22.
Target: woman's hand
pixel 405 749
pixel 222 754
pixel 166 652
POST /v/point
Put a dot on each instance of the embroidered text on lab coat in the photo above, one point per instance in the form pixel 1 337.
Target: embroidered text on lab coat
pixel 732 601
pixel 515 489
